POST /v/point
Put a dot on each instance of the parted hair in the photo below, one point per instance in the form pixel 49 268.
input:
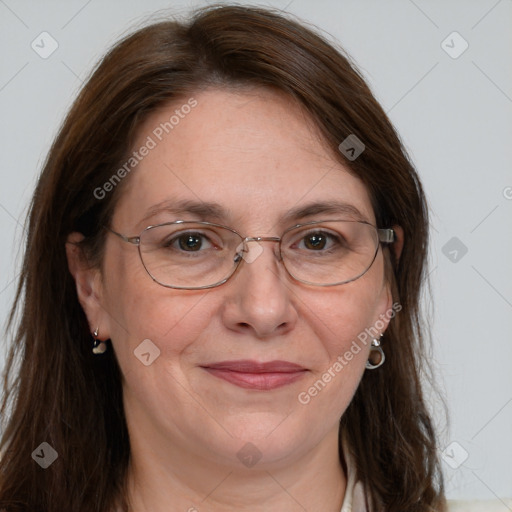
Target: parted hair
pixel 56 390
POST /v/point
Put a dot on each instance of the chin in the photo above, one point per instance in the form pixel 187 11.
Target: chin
pixel 266 440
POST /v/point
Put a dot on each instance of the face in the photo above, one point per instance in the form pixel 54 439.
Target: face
pixel 258 157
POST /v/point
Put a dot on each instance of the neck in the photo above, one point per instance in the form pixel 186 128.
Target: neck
pixel 165 479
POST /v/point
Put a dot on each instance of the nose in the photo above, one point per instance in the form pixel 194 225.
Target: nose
pixel 259 296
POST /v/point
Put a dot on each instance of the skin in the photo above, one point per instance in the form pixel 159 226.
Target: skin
pixel 258 155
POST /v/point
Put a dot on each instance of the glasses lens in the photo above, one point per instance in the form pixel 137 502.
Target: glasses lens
pixel 188 254
pixel 198 255
pixel 330 253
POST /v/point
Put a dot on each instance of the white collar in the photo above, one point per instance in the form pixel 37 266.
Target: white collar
pixel 354 500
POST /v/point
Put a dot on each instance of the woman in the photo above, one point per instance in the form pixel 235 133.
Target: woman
pixel 219 298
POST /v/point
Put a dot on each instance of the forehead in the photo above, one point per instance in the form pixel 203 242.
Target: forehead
pixel 254 155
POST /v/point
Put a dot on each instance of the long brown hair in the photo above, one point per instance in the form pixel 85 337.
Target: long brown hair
pixel 57 391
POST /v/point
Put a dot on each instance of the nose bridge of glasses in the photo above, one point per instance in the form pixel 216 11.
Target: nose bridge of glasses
pixel 256 253
pixel 262 239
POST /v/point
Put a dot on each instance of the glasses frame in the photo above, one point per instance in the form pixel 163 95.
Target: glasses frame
pixel 385 236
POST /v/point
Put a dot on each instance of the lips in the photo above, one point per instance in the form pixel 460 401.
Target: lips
pixel 256 375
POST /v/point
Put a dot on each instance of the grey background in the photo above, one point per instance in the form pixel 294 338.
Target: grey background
pixel 454 115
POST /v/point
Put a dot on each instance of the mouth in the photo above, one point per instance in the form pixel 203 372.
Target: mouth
pixel 255 375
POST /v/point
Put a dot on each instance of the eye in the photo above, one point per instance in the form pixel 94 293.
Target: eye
pixel 189 242
pixel 315 241
pixel 319 240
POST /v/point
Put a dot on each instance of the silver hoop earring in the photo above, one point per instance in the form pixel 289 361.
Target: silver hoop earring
pixel 376 357
pixel 98 346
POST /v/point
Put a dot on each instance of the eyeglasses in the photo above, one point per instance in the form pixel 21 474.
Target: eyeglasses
pixel 192 255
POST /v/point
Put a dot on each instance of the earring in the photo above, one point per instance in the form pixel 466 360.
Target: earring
pixel 377 356
pixel 98 346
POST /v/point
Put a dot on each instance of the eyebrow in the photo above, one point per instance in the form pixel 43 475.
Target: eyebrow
pixel 215 212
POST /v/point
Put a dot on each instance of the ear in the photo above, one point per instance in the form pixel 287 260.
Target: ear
pixel 398 244
pixel 386 307
pixel 88 285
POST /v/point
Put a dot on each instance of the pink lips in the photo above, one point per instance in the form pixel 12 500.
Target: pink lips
pixel 254 375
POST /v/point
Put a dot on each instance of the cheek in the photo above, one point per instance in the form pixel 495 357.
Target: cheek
pixel 171 323
pixel 348 315
pixel 330 388
pixel 344 319
pixel 140 309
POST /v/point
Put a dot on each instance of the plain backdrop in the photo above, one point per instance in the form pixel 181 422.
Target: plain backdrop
pixel 451 104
